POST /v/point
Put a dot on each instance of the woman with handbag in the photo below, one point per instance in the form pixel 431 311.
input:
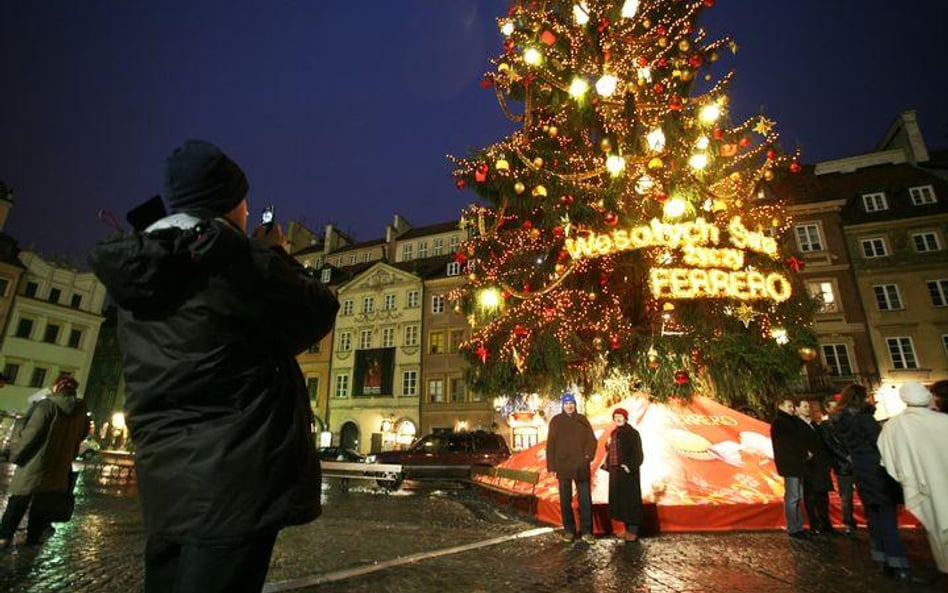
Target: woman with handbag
pixel 47 444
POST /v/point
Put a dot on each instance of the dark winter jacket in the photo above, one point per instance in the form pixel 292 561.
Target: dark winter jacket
pixel 859 431
pixel 48 443
pixel 570 446
pixel 209 324
pixel 790 452
pixel 842 463
pixel 819 461
pixel 625 488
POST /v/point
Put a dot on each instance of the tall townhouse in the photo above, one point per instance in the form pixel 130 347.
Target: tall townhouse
pixel 888 209
pixel 844 354
pixel 447 405
pixel 896 225
pixel 53 327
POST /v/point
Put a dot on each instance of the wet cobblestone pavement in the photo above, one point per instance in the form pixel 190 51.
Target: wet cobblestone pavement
pixel 369 540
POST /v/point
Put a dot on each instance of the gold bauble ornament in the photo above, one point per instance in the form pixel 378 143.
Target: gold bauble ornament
pixel 768 175
pixel 504 67
pixel 539 192
pixel 519 187
pixel 735 176
pixel 605 145
pixel 655 163
pixel 663 41
pixel 538 162
pixel 807 354
pixel 502 165
pixel 552 131
pixel 713 57
pixel 591 296
pixel 684 45
pixel 775 222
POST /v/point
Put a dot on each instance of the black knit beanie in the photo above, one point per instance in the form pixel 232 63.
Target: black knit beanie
pixel 199 176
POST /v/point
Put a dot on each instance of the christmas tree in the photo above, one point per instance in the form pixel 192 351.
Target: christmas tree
pixel 624 238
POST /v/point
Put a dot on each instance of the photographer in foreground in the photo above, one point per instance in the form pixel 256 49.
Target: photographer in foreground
pixel 209 324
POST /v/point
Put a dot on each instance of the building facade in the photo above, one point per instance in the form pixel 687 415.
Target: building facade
pixel 53 328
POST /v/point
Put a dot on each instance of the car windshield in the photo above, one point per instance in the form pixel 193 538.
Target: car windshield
pixel 431 444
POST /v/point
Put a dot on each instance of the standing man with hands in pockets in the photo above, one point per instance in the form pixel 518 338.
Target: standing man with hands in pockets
pixel 570 448
pixel 210 322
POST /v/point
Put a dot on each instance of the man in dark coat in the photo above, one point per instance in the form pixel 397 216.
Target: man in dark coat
pixel 570 448
pixel 842 466
pixel 790 457
pixel 818 482
pixel 209 325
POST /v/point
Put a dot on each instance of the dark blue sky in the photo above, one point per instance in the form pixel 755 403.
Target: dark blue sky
pixel 344 111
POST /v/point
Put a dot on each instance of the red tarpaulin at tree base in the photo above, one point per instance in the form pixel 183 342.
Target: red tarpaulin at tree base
pixel 707 468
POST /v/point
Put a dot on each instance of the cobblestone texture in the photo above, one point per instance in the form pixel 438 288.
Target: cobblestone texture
pixel 100 551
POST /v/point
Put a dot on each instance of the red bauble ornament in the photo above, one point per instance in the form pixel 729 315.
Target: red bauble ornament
pixel 771 154
pixel 460 257
pixel 611 219
pixel 708 3
pixel 547 37
pixel 662 62
pixel 486 83
pixel 744 142
pixel 519 330
pixel 527 225
pixel 795 167
pixel 614 342
pixel 509 46
pixel 558 232
pixel 567 200
pixel 718 133
pixel 695 60
pixel 480 175
pixel 642 61
pixel 460 184
pixel 659 88
pixel 675 103
pixel 681 377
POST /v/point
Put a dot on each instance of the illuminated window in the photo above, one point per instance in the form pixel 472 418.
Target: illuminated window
pixel 436 343
pixel 347 307
pixel 388 337
pixel 454 243
pixel 412 299
pixel 824 293
pixel 422 249
pixel 438 248
pixel 368 304
pixel 436 391
pixel 365 339
pixel 389 302
pixel 408 251
pixel 437 303
pixel 345 341
pixel 454 268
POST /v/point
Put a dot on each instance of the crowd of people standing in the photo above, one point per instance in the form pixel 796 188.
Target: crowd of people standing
pixel 902 460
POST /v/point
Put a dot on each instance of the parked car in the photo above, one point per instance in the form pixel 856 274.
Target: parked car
pixel 339 454
pixel 444 456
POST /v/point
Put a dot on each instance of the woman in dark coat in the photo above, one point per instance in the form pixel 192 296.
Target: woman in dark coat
pixel 858 431
pixel 623 459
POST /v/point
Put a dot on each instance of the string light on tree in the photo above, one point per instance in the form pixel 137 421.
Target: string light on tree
pixel 625 187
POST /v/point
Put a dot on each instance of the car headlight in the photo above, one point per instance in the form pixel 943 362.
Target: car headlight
pixel 370 459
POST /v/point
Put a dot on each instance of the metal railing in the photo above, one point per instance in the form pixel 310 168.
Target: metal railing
pixel 383 473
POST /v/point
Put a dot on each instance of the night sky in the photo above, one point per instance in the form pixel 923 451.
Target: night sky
pixel 343 112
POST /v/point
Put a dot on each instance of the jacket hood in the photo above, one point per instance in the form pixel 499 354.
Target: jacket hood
pixel 153 271
pixel 66 402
